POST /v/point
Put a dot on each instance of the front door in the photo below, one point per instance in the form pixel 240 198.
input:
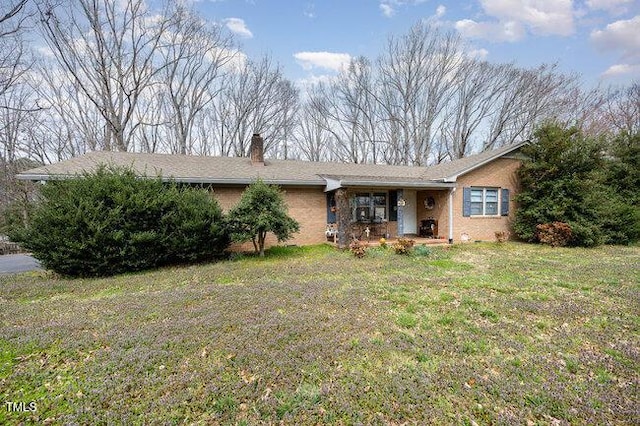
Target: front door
pixel 410 212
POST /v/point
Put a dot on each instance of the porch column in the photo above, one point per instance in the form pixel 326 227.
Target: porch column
pixel 451 192
pixel 400 205
pixel 343 217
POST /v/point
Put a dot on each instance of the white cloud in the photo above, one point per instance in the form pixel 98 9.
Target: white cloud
pixel 389 7
pixel 327 60
pixel 387 10
pixel 313 80
pixel 513 19
pixel 510 31
pixel 234 60
pixel 45 51
pixel 621 70
pixel 611 6
pixel 621 36
pixel 440 11
pixel 544 17
pixel 239 27
pixel 478 54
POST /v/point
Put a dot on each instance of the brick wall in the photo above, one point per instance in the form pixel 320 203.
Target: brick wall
pixel 500 173
pixel 307 205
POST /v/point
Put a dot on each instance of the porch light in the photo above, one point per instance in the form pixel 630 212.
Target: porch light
pixel 401 202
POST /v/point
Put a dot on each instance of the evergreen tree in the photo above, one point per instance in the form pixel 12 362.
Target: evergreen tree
pixel 261 210
pixel 567 178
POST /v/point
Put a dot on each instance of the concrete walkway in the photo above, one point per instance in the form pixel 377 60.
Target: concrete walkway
pixel 15 263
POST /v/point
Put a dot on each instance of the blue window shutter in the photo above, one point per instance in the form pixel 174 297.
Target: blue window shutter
pixel 504 202
pixel 466 202
pixel 393 206
pixel 331 202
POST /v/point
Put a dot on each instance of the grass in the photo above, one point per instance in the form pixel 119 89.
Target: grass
pixel 478 333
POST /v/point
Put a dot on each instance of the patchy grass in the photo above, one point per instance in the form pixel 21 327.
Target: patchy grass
pixel 484 333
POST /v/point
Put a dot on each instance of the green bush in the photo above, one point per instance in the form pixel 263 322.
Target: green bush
pixel 585 183
pixel 261 209
pixel 421 251
pixel 111 221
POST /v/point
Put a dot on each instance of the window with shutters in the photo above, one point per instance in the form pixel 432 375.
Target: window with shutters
pixel 478 201
pixel 484 202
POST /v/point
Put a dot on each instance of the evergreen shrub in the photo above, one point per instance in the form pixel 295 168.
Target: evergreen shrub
pixel 112 221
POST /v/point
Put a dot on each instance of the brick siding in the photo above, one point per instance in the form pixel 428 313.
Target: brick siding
pixel 308 206
pixel 500 173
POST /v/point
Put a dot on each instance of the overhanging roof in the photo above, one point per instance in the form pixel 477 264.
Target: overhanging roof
pixel 240 171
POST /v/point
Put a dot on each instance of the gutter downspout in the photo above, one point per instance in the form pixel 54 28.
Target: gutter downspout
pixel 451 192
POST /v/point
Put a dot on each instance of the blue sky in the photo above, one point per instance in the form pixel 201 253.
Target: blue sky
pixel 600 39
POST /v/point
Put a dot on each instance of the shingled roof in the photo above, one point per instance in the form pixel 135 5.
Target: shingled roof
pixel 240 171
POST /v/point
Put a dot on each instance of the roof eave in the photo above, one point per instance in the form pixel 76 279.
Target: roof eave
pixel 196 180
pixel 454 177
pixel 43 176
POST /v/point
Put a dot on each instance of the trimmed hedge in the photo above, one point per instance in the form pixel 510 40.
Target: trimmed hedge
pixel 112 221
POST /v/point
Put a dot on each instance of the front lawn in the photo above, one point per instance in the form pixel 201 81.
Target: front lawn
pixel 478 333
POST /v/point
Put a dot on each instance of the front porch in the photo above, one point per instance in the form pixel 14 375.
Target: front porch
pixel 418 213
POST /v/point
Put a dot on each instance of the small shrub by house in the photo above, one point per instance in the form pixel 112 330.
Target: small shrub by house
pixel 261 210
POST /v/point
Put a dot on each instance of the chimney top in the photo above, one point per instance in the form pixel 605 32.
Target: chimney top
pixel 257 150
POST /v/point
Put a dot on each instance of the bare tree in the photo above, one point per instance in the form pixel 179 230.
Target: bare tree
pixel 70 124
pixel 13 60
pixel 196 54
pixel 622 109
pixel 256 98
pixel 313 141
pixel 530 97
pixel 417 72
pixel 478 86
pixel 347 105
pixel 109 48
pixel 14 124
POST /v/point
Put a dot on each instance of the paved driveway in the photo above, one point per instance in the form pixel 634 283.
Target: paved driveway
pixel 14 263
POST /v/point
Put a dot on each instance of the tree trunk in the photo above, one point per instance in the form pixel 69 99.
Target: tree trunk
pixel 343 218
pixel 262 236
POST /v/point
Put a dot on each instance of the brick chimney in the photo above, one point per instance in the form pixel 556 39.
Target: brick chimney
pixel 257 150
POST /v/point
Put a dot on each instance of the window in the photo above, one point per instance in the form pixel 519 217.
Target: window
pixel 367 206
pixel 363 207
pixel 379 206
pixel 484 202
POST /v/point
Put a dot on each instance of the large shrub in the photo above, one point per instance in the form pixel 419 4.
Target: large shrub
pixel 572 179
pixel 112 221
